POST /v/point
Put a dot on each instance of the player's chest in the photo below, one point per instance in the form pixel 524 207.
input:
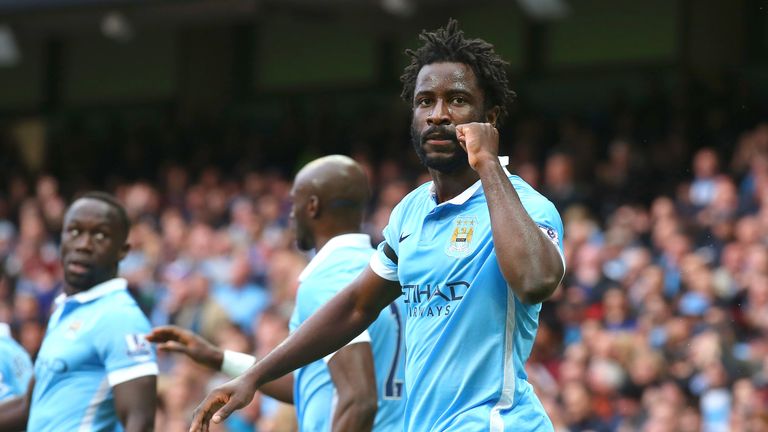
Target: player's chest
pixel 443 241
pixel 68 345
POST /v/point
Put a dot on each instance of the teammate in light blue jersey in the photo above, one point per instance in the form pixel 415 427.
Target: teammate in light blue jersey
pixel 95 371
pixel 360 386
pixel 333 268
pixel 461 315
pixel 473 253
pixel 15 366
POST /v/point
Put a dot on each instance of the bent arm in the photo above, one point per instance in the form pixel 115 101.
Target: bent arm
pixel 345 316
pixel 176 339
pixel 14 412
pixel 530 262
pixel 353 375
pixel 234 364
pixel 136 402
pixel 280 389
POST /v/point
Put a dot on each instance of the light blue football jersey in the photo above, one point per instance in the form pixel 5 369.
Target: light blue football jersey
pixel 467 335
pixel 15 366
pixel 94 341
pixel 337 264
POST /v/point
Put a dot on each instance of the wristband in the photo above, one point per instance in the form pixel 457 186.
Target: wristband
pixel 235 364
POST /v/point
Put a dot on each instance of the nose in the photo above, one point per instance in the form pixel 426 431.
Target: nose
pixel 439 114
pixel 83 243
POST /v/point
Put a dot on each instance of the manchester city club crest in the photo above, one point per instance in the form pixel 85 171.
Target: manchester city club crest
pixel 460 244
pixel 72 329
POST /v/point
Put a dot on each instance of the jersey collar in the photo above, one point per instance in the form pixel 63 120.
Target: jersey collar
pixel 5 330
pixel 470 191
pixel 334 244
pixel 95 292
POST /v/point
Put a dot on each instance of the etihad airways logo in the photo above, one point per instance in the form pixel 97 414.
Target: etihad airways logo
pixel 433 300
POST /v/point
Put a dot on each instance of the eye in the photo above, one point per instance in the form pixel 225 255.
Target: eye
pixel 422 102
pixel 99 236
pixel 459 100
pixel 73 232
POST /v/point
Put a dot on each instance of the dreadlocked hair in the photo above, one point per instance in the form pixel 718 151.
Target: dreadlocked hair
pixel 448 44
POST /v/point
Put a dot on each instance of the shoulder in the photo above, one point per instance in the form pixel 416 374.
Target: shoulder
pixel 525 190
pixel 9 349
pixel 415 197
pixel 337 267
pixel 120 307
pixel 532 199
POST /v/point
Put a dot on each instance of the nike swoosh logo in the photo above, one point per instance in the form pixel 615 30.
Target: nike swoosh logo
pixel 403 237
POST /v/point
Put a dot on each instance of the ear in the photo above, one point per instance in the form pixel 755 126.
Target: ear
pixel 124 249
pixel 313 207
pixel 492 115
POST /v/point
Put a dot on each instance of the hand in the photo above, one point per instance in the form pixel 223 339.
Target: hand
pixel 480 141
pixel 221 402
pixel 177 339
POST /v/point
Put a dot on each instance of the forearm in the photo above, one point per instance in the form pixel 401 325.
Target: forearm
pixel 140 422
pixel 234 364
pixel 339 321
pixel 527 259
pixel 13 414
pixel 354 414
pixel 280 389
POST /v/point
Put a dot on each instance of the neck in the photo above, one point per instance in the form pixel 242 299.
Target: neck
pixel 448 186
pixel 70 290
pixel 322 238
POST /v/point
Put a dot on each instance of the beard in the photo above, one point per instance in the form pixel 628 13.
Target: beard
pixel 304 239
pixel 446 163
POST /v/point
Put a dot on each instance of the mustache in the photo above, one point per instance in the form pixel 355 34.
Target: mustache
pixel 439 132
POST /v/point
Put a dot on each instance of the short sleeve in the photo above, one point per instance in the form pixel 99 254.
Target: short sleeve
pixel 381 263
pixel 7 388
pixel 15 373
pixel 547 218
pixel 363 337
pixel 121 345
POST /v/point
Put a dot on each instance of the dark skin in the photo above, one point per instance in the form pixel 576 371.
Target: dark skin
pixel 180 340
pixel 448 101
pixel 15 411
pixel 351 368
pixel 329 195
pixel 93 242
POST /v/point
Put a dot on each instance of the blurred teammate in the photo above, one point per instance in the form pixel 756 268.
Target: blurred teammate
pixel 15 366
pixel 473 253
pixel 363 379
pixel 95 370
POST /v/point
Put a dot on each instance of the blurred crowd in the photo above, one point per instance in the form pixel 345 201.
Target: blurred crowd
pixel 660 323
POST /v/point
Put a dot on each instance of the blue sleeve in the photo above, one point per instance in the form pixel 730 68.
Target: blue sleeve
pixel 121 346
pixel 545 215
pixel 547 218
pixel 15 373
pixel 7 386
pixel 381 264
pixel 391 232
